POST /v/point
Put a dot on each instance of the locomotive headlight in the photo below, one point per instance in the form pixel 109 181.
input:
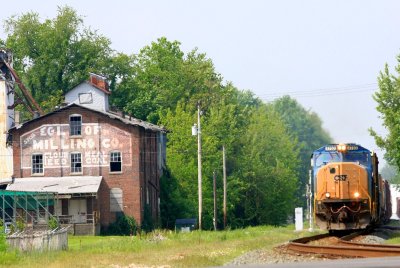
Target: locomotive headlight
pixel 328 195
pixel 356 194
pixel 341 147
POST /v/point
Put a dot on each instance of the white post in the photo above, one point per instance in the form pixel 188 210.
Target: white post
pixel 299 219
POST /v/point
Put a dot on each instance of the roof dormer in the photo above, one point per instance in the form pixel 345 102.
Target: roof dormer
pixel 92 93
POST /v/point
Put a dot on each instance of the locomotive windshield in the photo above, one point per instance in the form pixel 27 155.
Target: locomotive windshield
pixel 322 158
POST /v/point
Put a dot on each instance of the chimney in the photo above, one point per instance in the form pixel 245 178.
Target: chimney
pixel 99 82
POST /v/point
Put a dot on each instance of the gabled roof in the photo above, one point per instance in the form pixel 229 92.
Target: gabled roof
pixel 91 84
pixel 127 120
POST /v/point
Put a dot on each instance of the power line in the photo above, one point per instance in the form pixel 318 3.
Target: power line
pixel 322 91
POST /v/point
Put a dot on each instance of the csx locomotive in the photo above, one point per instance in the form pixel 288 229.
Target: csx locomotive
pixel 348 192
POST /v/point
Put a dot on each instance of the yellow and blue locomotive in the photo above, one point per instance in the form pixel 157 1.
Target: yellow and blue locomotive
pixel 348 192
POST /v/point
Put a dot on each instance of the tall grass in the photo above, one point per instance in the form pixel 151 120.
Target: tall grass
pixel 6 257
pixel 159 248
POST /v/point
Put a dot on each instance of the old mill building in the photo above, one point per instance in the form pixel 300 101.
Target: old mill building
pixel 101 164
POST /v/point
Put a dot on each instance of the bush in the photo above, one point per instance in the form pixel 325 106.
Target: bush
pixel 3 243
pixel 124 225
pixel 52 223
pixel 147 223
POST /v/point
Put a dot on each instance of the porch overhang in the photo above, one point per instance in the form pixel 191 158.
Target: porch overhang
pixel 64 187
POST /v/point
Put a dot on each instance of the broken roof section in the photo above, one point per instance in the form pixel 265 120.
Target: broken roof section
pixel 59 185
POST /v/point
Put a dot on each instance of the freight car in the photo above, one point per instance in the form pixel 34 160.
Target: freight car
pixel 347 190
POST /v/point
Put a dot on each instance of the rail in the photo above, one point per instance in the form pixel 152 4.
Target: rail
pixel 343 247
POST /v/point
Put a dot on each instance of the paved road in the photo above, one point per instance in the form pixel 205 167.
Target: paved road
pixel 393 262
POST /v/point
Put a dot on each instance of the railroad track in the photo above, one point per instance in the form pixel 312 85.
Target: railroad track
pixel 343 246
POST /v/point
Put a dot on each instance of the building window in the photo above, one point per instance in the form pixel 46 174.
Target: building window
pixel 76 163
pixel 37 164
pixel 75 125
pixel 85 98
pixel 115 162
pixel 116 203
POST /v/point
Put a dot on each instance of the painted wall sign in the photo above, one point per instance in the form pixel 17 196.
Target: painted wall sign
pixel 95 144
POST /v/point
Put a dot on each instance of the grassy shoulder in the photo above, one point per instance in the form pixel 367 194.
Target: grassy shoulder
pixel 395 235
pixel 160 248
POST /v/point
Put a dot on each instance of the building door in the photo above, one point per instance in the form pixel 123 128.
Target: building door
pixel 77 208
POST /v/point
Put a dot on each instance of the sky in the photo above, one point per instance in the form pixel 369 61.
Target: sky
pixel 325 54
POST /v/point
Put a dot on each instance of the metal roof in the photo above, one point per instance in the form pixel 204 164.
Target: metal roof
pixel 125 119
pixel 60 185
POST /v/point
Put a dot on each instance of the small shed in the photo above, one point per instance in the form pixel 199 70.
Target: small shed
pixel 185 225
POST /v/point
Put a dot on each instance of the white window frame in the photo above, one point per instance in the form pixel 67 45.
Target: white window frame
pixel 120 156
pixel 72 169
pixel 32 165
pixel 73 128
pixel 88 96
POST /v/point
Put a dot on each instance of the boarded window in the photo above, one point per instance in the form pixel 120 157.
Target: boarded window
pixel 75 125
pixel 85 98
pixel 116 204
pixel 115 162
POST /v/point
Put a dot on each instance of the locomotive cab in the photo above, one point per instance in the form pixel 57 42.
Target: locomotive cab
pixel 343 187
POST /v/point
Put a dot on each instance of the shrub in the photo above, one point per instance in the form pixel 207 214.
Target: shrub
pixel 147 223
pixel 3 243
pixel 125 225
pixel 52 223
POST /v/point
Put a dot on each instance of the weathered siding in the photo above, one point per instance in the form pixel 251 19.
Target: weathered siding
pixel 99 98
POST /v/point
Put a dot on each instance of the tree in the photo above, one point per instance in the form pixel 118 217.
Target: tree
pixel 305 127
pixel 391 174
pixel 269 169
pixel 55 54
pixel 388 100
pixel 161 76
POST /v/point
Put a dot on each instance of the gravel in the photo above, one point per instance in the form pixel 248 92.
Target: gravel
pixel 281 254
pixel 277 255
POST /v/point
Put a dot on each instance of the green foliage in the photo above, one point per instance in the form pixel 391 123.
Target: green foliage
pixel 388 100
pixel 3 242
pixel 20 225
pixel 172 203
pixel 306 128
pixel 269 166
pixel 52 223
pixel 163 85
pixel 161 77
pixel 147 223
pixel 55 54
pixel 391 174
pixel 125 225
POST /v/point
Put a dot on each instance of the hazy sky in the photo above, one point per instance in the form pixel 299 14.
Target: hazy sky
pixel 326 54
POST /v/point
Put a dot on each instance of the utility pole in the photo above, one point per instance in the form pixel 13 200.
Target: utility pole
pixel 224 172
pixel 199 164
pixel 215 200
pixel 311 203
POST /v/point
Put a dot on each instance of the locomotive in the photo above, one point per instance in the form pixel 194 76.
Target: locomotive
pixel 347 189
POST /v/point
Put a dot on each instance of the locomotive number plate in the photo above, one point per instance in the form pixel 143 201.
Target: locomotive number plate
pixel 340 177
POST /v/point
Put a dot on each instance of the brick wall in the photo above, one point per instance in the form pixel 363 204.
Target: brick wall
pixel 49 135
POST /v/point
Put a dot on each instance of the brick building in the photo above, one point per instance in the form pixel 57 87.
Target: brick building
pixel 100 163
